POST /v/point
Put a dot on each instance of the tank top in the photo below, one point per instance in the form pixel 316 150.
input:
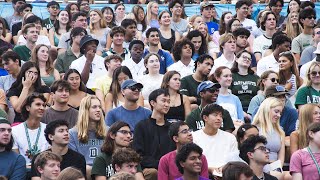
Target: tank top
pixel 167 44
pixel 56 40
pixel 48 80
pixel 176 113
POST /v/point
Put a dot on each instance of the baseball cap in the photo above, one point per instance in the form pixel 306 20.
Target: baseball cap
pixel 205 4
pixel 130 82
pixel 53 3
pixel 4 121
pixel 276 90
pixel 207 85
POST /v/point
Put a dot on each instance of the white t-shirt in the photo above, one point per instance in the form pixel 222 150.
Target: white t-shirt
pixel 182 69
pixel 137 70
pixel 98 68
pixel 41 40
pixel 251 25
pixel 267 63
pixel 149 84
pixel 261 44
pixel 304 69
pixel 21 142
pixel 216 148
pixel 222 61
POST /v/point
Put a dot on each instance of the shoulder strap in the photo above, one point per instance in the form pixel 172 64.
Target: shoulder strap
pixel 314 159
pixel 181 98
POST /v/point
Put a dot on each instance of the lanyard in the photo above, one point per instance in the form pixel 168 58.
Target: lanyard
pixel 314 160
pixel 33 150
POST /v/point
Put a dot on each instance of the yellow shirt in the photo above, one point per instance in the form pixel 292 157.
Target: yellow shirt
pixel 103 83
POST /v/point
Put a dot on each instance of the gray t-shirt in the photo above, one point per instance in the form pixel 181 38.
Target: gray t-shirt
pixel 180 27
pixel 89 150
pixel 70 115
pixel 307 55
pixel 11 20
pixel 301 42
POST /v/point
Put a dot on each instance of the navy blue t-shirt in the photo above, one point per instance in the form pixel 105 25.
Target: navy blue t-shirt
pixel 165 61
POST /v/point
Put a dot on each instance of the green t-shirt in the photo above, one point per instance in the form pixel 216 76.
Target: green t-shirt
pixel 47 23
pixel 23 51
pixel 195 122
pixel 64 61
pixel 102 166
pixel 245 87
pixel 189 87
pixel 307 95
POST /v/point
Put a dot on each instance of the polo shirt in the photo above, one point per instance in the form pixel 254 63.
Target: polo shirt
pixel 182 69
pixel 261 44
pixel 137 70
pixel 267 63
pixel 97 66
pixel 64 61
pixel 222 61
pixel 165 60
pixel 23 51
pixel 125 55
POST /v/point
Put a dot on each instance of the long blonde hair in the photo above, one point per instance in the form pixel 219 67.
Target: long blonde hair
pixel 263 119
pixel 305 119
pixel 312 66
pixel 83 121
pixel 102 21
pixel 149 14
pixel 291 30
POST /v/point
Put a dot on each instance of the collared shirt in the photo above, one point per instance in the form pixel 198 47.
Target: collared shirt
pixel 137 70
pixel 182 69
pixel 64 60
pixel 125 55
pixel 98 68
pixel 267 63
pixel 222 61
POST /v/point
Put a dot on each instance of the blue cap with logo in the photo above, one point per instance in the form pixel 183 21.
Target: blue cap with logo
pixel 130 82
pixel 207 85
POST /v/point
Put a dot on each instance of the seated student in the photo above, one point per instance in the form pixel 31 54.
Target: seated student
pixel 57 136
pixel 13 165
pixel 221 143
pixel 125 160
pixel 118 136
pixel 180 133
pixel 208 91
pixel 188 161
pixel 48 165
pixel 90 65
pixel 304 162
pixel 254 152
pixel 122 176
pixel 130 112
pixel 29 138
pixel 151 139
pixel 60 93
pixel 237 171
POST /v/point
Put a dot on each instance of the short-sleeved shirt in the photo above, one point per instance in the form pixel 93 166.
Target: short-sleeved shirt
pixel 103 83
pixel 261 44
pixel 307 55
pixel 307 95
pixel 70 115
pixel 301 162
pixel 301 42
pixel 64 61
pixel 267 63
pixel 165 60
pixel 23 51
pixel 182 69
pixel 212 27
pixel 189 87
pixel 195 122
pixel 180 27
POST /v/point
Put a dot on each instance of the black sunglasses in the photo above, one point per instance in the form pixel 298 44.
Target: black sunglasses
pixel 274 80
pixel 134 88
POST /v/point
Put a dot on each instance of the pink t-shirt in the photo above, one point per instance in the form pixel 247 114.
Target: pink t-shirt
pixel 301 162
pixel 167 169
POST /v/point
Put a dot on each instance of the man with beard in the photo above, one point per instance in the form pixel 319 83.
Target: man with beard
pixel 153 39
pixel 13 165
pixel 57 135
pixel 180 134
pixel 135 63
pixel 190 83
pixel 90 65
pixel 151 139
pixel 241 35
pixel 208 92
pixel 60 92
pixel 130 112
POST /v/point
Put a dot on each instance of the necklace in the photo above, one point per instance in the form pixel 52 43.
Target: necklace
pixel 173 100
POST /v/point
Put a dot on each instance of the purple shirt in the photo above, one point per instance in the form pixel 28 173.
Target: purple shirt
pixel 301 162
pixel 200 178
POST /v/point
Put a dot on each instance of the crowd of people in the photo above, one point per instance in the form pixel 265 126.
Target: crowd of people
pixel 103 94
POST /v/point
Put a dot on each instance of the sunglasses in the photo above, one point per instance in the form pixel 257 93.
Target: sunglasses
pixel 315 73
pixel 311 17
pixel 212 90
pixel 262 148
pixel 134 88
pixel 125 132
pixel 274 80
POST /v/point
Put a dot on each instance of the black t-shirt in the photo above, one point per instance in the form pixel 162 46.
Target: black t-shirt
pixel 70 159
pixel 16 92
pixel 266 177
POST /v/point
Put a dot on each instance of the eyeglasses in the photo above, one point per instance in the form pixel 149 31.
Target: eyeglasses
pixel 311 17
pixel 186 131
pixel 125 132
pixel 262 148
pixel 246 58
pixel 315 73
pixel 274 80
pixel 134 88
pixel 212 90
